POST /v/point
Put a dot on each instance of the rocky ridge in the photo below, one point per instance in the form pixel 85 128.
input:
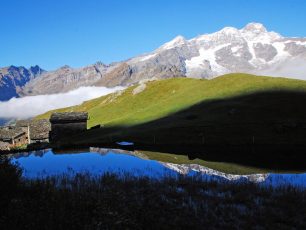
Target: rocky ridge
pixel 252 49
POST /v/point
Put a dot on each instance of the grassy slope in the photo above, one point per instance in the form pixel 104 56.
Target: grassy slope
pixel 184 112
pixel 161 98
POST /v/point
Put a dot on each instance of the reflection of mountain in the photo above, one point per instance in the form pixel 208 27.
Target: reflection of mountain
pixel 38 153
pixel 105 151
pixel 101 151
pixel 187 168
pixel 183 165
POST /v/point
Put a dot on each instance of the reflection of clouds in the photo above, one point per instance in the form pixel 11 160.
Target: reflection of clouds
pixel 27 107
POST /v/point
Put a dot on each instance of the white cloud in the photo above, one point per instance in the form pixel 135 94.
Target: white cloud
pixel 293 68
pixel 27 107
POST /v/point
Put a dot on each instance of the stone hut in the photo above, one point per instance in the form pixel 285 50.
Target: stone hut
pixel 11 136
pixel 65 124
pixel 38 129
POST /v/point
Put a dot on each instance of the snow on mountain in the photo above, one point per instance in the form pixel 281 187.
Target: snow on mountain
pixel 178 41
pixel 251 49
pixel 147 57
pixel 252 40
pixel 206 56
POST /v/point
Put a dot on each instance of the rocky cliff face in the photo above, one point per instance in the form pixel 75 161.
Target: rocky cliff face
pixel 65 79
pixel 251 49
pixel 13 78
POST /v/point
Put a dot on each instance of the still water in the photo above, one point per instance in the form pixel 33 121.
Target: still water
pixel 98 160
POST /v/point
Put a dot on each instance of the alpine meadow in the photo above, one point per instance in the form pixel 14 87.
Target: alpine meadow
pixel 153 115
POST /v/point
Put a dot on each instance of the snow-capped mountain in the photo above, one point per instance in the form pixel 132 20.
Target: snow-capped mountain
pixel 251 49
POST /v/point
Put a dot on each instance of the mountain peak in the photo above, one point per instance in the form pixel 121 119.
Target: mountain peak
pixel 178 40
pixel 255 27
pixel 36 69
pixel 13 67
pixel 229 30
pixel 65 67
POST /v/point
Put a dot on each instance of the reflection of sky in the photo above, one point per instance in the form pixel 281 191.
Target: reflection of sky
pixel 48 163
pixel 284 179
pixel 51 164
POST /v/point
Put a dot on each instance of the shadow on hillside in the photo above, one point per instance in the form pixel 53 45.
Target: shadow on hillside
pixel 266 129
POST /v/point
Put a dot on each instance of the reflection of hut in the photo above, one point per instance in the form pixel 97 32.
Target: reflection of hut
pixel 13 137
pixel 39 129
pixel 70 150
pixel 64 124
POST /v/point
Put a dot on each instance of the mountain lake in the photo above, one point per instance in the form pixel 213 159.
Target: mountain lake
pixel 97 161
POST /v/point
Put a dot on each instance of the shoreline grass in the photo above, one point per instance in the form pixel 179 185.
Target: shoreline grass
pixel 111 201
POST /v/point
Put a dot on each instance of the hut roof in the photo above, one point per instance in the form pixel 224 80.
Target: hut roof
pixel 39 129
pixel 69 117
pixel 10 132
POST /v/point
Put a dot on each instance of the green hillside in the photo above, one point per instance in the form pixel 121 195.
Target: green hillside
pixel 164 97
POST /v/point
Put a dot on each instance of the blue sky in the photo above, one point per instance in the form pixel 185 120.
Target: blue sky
pixel 52 33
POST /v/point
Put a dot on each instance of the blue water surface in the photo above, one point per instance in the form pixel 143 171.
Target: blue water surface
pixel 98 161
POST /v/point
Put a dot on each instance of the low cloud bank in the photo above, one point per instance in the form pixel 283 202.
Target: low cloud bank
pixel 27 107
pixel 294 68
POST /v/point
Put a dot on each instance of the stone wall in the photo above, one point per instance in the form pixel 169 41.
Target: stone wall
pixel 59 131
pixel 20 140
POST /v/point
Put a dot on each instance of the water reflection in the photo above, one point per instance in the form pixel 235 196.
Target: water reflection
pixel 99 160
